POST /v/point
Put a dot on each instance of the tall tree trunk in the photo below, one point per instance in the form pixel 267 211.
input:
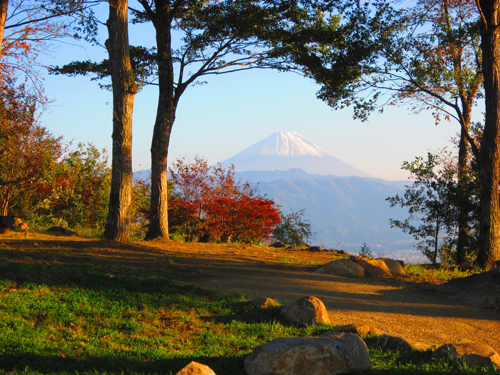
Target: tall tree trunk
pixel 463 198
pixel 4 6
pixel 165 116
pixel 124 90
pixel 4 207
pixel 489 235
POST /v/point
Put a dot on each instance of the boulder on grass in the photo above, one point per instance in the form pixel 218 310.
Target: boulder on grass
pixel 393 343
pixel 305 311
pixel 470 353
pixel 374 267
pixel 395 266
pixel 342 267
pixel 344 353
pixel 195 368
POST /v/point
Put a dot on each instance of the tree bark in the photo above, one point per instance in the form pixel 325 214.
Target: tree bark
pixel 463 198
pixel 165 117
pixel 4 6
pixel 489 234
pixel 124 90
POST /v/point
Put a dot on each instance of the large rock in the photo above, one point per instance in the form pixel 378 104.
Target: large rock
pixel 471 353
pixel 375 267
pixel 394 343
pixel 305 311
pixel 395 266
pixel 480 290
pixel 195 368
pixel 342 267
pixel 344 353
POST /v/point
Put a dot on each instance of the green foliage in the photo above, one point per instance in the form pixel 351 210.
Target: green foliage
pixel 294 229
pixel 338 48
pixel 77 193
pixel 29 153
pixel 436 273
pixel 139 208
pixel 143 61
pixel 366 251
pixel 433 204
pixel 427 55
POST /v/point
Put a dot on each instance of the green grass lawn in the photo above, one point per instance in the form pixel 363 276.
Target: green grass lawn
pixel 86 319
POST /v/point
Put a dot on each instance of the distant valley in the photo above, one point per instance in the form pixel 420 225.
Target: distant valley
pixel 345 206
pixel 345 212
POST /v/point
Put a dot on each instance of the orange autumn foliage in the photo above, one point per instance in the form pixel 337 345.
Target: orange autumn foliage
pixel 211 205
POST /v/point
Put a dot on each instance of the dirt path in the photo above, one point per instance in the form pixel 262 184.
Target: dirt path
pixel 408 310
pixel 396 307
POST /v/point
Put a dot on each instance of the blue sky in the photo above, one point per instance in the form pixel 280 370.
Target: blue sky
pixel 234 111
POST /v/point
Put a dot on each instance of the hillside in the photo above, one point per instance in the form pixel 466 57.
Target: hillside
pixel 344 212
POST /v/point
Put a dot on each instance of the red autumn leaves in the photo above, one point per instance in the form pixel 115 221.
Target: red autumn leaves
pixel 210 205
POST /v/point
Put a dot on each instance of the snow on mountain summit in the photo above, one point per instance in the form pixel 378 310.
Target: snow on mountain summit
pixel 289 144
pixel 285 150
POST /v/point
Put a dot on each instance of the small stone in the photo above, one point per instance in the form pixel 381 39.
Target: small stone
pixel 305 311
pixel 264 302
pixel 315 248
pixel 363 330
pixel 61 230
pixel 195 368
pixel 394 343
pixel 279 244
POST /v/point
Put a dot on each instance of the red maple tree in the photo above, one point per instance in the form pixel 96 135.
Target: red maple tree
pixel 211 205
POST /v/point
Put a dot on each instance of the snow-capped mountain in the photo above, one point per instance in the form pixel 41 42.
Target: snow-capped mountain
pixel 285 150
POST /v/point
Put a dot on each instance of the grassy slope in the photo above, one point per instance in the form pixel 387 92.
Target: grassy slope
pixel 88 318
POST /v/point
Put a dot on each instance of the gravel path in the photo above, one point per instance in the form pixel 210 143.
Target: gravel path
pixel 412 311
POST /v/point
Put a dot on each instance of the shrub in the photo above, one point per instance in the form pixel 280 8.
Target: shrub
pixel 293 230
pixel 210 205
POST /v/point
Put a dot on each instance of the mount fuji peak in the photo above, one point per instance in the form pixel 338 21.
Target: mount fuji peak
pixel 287 144
pixel 285 150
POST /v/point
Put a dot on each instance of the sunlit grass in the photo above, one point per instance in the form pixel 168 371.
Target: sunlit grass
pixel 60 318
pixel 80 314
pixel 439 273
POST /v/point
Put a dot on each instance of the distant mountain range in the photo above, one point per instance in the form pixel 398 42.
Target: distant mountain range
pixel 345 212
pixel 345 206
pixel 285 150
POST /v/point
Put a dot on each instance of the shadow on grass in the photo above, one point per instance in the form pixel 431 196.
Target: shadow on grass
pixel 133 290
pixel 103 260
pixel 25 362
pixel 409 364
